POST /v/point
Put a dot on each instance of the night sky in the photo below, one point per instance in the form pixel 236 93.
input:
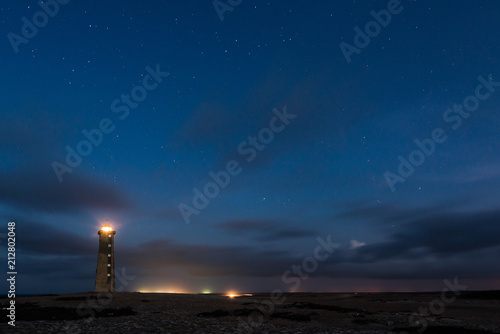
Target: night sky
pixel 385 145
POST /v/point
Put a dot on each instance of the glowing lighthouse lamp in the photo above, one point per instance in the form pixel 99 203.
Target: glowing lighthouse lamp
pixel 105 273
pixel 107 228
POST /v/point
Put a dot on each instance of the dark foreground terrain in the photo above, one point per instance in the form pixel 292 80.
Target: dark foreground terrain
pixel 124 312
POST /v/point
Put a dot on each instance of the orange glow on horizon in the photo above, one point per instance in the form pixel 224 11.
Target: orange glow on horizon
pixel 164 291
pixel 170 289
pixel 232 294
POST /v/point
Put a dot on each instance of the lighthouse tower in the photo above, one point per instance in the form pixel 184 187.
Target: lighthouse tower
pixel 105 273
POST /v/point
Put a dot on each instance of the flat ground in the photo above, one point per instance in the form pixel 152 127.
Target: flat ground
pixel 126 312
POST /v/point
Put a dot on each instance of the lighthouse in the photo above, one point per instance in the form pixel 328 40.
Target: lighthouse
pixel 105 273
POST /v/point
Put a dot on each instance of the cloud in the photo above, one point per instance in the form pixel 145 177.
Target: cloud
pixel 49 256
pixel 29 137
pixel 35 190
pixel 163 256
pixel 60 251
pixel 266 230
pixel 45 240
pixel 422 247
pixel 225 126
pixel 243 226
pixel 488 171
pixel 30 131
pixel 170 214
pixel 433 247
pixel 356 244
pixel 389 214
pixel 440 236
pixel 291 233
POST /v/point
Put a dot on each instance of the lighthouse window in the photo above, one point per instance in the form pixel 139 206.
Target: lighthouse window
pixel 109 245
pixel 109 275
pixel 109 236
pixel 109 255
pixel 109 265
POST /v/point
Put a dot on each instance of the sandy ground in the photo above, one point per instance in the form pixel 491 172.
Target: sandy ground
pixel 125 312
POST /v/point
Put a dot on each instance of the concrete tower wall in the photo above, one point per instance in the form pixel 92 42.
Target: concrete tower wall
pixel 105 273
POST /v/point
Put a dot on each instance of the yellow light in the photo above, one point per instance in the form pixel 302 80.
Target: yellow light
pixel 106 228
pixel 173 289
pixel 232 294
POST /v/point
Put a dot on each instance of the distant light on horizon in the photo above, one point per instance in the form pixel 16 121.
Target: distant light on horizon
pixel 163 291
pixel 232 294
pixel 170 289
